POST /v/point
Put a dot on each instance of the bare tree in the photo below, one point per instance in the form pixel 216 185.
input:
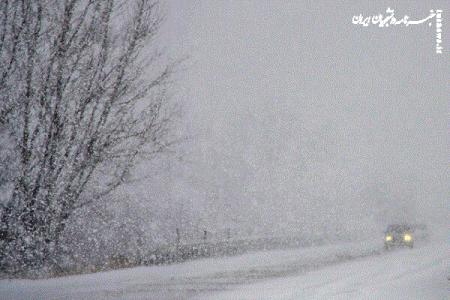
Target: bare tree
pixel 78 108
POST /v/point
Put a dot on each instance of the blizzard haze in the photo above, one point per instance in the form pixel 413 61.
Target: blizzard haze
pixel 301 121
pixel 222 150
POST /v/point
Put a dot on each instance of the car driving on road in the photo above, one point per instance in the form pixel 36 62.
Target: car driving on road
pixel 398 235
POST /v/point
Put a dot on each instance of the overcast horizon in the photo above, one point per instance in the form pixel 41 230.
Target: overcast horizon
pixel 299 116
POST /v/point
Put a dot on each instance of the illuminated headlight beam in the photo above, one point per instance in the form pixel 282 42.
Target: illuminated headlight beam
pixel 407 238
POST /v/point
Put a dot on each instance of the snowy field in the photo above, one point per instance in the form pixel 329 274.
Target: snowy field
pixel 346 271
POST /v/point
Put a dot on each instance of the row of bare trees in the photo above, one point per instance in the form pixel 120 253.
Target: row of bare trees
pixel 82 99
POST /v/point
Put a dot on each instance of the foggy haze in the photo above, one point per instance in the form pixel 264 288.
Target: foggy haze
pixel 302 121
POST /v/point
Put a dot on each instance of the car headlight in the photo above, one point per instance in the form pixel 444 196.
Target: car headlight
pixel 407 237
pixel 388 238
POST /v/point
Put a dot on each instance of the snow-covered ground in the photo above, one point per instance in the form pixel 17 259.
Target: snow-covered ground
pixel 347 271
pixel 404 274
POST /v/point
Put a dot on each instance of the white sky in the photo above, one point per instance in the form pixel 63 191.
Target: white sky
pixel 296 112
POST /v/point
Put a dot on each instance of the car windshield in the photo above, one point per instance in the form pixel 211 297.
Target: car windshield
pixel 398 228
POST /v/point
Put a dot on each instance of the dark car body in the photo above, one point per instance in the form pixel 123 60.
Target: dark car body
pixel 398 235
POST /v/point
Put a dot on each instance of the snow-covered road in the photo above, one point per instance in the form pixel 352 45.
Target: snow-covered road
pixel 346 271
pixel 404 274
